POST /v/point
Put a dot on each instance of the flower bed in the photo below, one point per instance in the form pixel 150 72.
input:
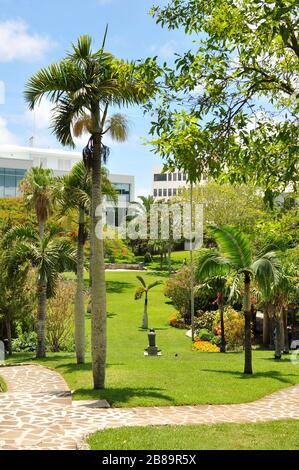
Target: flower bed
pixel 204 346
pixel 173 321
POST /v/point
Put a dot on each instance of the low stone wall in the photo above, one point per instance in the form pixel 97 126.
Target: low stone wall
pixel 133 267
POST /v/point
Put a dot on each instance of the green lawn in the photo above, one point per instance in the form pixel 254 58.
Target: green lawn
pixel 2 385
pixel 277 435
pixel 177 260
pixel 179 376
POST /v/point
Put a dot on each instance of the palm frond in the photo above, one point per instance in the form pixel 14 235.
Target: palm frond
pixel 211 264
pixel 118 127
pixel 233 245
pixel 154 284
pixel 19 232
pixel 140 279
pixel 267 271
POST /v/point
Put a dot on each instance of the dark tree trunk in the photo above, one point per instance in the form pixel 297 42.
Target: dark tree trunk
pixel 247 313
pixel 277 339
pixel 79 299
pixel 8 334
pixel 266 333
pixel 41 319
pixel 223 344
pixel 286 348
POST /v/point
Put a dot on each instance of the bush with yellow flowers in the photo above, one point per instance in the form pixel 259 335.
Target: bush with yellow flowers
pixel 204 346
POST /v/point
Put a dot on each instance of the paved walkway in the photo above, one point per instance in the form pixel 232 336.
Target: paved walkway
pixel 37 412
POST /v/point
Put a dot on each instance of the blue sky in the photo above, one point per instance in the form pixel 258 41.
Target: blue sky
pixel 34 34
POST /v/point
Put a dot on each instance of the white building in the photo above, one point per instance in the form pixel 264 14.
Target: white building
pixel 15 161
pixel 165 185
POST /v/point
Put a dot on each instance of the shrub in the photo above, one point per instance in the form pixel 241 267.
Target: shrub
pixel 25 341
pixel 178 322
pixel 205 320
pixel 234 327
pixel 59 332
pixel 204 346
pixel 205 335
pixel 116 249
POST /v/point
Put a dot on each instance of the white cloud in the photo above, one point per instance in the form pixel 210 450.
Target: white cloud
pixel 41 116
pixel 6 136
pixel 17 43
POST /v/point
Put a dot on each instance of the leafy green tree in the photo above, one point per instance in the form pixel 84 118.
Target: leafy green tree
pixel 73 193
pixel 82 87
pixel 234 94
pixel 227 204
pixel 235 258
pixel 49 256
pixel 16 297
pixel 144 289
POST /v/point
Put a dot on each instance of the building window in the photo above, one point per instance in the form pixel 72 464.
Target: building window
pixel 164 192
pixel 184 177
pixel 160 193
pixel 169 176
pixel 174 191
pixel 180 176
pixel 123 189
pixel 9 181
pixel 174 176
pixel 155 193
pixel 169 192
pixel 160 177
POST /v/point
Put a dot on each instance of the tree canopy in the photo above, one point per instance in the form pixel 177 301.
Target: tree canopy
pixel 230 103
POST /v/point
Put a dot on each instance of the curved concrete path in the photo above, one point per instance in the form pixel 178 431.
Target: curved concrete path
pixel 37 412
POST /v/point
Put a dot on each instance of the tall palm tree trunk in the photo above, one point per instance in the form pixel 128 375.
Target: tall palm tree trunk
pixel 41 319
pixel 90 256
pixel 8 333
pixel 277 338
pixel 79 299
pixel 222 345
pixel 144 325
pixel 98 288
pixel 247 313
pixel 286 349
pixel 266 330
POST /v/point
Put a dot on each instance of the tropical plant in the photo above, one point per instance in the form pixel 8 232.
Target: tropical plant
pixel 16 298
pixel 235 258
pixel 220 286
pixel 144 289
pixel 73 194
pixel 234 327
pixel 275 306
pixel 60 310
pixel 49 256
pixel 83 86
pixel 37 188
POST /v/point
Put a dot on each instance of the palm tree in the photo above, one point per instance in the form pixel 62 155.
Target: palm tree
pixel 83 86
pixel 49 256
pixel 37 189
pixel 144 289
pixel 235 257
pixel 73 194
pixel 276 303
